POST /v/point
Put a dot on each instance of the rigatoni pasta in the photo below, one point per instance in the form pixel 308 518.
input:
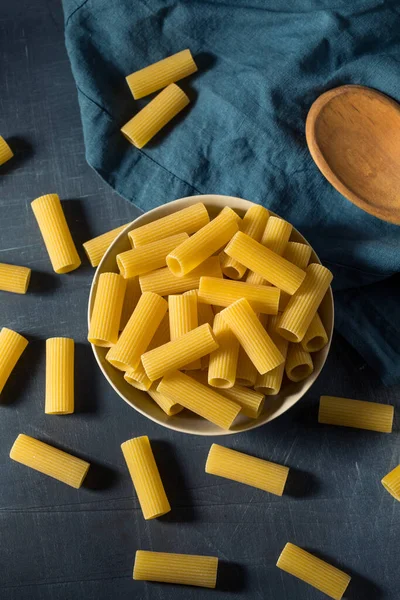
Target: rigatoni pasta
pixel 138 333
pixel 145 476
pixel 5 151
pixel 223 361
pixel 250 401
pixel 246 373
pixel 59 376
pixel 252 336
pixel 168 405
pixel 185 569
pixel 155 115
pixel 299 364
pixel 96 248
pixel 356 413
pixel 158 75
pixel 12 345
pixel 222 292
pixel 202 244
pixel 49 460
pixel 183 317
pixel 312 570
pixel 56 234
pixel 259 473
pixel 298 254
pixel 163 282
pixel 149 257
pixel 391 483
pixel 131 298
pixel 199 398
pixel 316 337
pixel 269 265
pixel 270 383
pixel 107 308
pixel 14 278
pixel 275 237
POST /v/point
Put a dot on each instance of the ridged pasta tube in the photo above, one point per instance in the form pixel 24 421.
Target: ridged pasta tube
pixel 107 309
pixel 149 257
pixel 275 237
pixel 12 345
pixel 222 292
pixel 316 337
pixel 298 254
pixel 96 248
pixel 185 569
pixel 223 361
pixel 131 298
pixel 5 151
pixel 183 317
pixel 356 413
pixel 246 373
pixel 169 406
pixel 59 376
pixel 14 278
pixel 299 364
pixel 163 282
pixel 270 383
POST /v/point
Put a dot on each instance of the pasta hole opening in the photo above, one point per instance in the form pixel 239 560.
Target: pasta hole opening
pixel 300 372
pixel 68 268
pixel 288 335
pixel 268 391
pixel 130 139
pixel 138 385
pixel 316 343
pixel 175 266
pixel 121 267
pixel 118 364
pixel 100 342
pixel 232 272
pixel 220 382
pixel 244 382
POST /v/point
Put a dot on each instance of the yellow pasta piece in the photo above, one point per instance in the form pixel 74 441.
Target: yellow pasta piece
pixel 253 224
pixel 223 361
pixel 169 406
pixel 163 282
pixel 302 307
pixel 49 460
pixel 298 254
pixel 160 74
pixel 183 317
pixel 146 479
pixel 262 298
pixel 187 220
pixel 185 569
pixel 149 257
pixel 155 115
pixel 138 333
pixel 391 483
pixel 96 248
pixel 59 376
pixel 205 314
pixel 199 398
pixel 275 238
pixel 12 345
pixel 256 342
pixel 356 413
pixel 251 401
pixel 265 263
pixel 14 279
pixel 316 337
pixel 107 308
pixel 131 298
pixel 137 377
pixel 258 473
pixel 314 571
pixel 299 364
pixel 246 373
pixel 180 352
pixel 270 383
pixel 5 151
pixel 56 234
pixel 202 244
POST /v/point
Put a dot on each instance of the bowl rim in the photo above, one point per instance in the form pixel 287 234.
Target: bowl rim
pixel 169 208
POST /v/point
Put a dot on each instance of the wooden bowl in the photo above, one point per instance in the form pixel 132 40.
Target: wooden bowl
pixel 186 421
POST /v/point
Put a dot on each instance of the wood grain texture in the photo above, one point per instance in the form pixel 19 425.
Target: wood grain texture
pixel 335 506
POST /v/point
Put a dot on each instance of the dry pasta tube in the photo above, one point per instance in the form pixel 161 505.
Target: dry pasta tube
pixel 269 265
pixel 131 298
pixel 146 479
pixel 270 383
pixel 56 234
pixel 138 333
pixel 160 74
pixel 391 483
pixel 168 405
pixel 299 364
pixel 302 307
pixel 5 151
pixel 180 352
pixel 262 298
pixel 206 315
pixel 49 460
pixel 155 115
pixel 199 398
pixel 202 244
pixel 14 279
pixel 163 282
pixel 356 413
pixel 316 337
pixel 275 237
pixel 149 257
pixel 314 571
pixel 223 361
pixel 183 317
pixel 59 376
pixel 246 373
pixel 252 336
pixel 251 401
pixel 253 224
pixel 107 309
pixel 185 569
pixel 298 254
pixel 96 248
pixel 12 345
pixel 187 220
pixel 246 469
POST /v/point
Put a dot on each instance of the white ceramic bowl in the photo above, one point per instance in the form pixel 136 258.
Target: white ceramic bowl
pixel 186 421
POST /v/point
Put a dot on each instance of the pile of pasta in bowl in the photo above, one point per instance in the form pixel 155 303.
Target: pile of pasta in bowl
pixel 211 318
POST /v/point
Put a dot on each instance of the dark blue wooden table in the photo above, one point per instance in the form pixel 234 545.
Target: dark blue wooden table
pixel 58 543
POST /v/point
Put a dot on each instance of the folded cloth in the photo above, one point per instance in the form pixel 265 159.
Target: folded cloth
pixel 261 65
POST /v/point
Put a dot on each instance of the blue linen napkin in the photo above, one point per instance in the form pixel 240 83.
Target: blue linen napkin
pixel 261 65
